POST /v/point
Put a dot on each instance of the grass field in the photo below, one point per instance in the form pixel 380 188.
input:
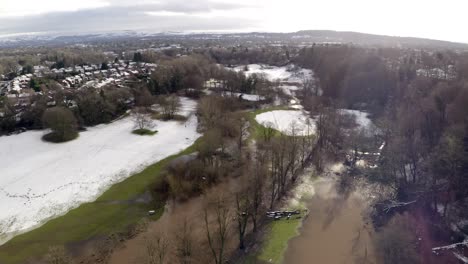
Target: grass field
pixel 108 214
pixel 277 239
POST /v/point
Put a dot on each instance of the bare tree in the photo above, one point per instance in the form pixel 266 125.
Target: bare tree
pixel 308 86
pixel 242 126
pixel 184 244
pixel 243 205
pixel 268 131
pixel 142 119
pixel 211 110
pixel 156 249
pixel 169 106
pixel 396 242
pixel 307 142
pixel 256 188
pixel 57 255
pixel 217 232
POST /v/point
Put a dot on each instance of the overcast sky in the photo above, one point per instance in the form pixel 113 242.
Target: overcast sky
pixel 435 19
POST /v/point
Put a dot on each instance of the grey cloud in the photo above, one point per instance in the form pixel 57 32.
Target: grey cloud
pixel 119 17
pixel 196 6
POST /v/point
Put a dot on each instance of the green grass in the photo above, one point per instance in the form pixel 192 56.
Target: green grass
pixel 276 242
pixel 144 132
pixel 99 218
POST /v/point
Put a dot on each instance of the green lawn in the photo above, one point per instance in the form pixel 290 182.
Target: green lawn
pixel 102 217
pixel 276 242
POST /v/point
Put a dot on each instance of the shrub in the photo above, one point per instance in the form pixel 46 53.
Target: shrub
pixel 144 132
pixel 63 124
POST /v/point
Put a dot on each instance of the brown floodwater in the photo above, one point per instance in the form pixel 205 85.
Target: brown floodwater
pixel 335 231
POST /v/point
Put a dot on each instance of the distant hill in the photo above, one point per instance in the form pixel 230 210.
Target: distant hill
pixel 306 37
pixel 381 40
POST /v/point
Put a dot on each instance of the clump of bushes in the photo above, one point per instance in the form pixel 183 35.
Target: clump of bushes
pixel 62 123
pixel 144 132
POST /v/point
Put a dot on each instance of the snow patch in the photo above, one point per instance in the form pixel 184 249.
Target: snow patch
pixel 284 120
pixel 248 97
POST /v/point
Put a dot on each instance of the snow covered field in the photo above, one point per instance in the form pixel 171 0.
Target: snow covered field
pixel 40 180
pixel 283 121
pixel 272 73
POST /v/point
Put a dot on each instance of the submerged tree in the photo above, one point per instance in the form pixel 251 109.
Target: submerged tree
pixel 156 249
pixel 57 255
pixel 217 231
pixel 396 242
pixel 184 244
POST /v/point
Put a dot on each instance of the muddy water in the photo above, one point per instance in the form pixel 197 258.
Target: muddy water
pixel 334 231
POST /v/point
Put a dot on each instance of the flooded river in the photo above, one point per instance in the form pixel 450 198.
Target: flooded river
pixel 335 231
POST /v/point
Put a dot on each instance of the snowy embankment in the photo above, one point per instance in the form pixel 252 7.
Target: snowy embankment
pixel 40 180
pixel 290 122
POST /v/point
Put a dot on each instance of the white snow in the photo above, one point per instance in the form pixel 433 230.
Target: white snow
pixel 40 180
pixel 362 118
pixel 105 82
pixel 296 106
pixel 251 97
pixel 248 97
pixel 283 120
pixel 289 89
pixel 187 106
pixel 273 73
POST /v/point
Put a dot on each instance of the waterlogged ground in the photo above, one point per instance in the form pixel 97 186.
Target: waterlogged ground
pixel 170 226
pixel 335 230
